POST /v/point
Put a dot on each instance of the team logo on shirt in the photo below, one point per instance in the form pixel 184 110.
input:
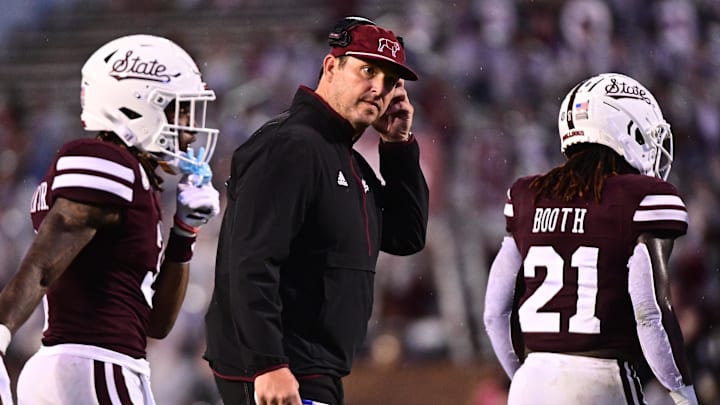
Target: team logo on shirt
pixel 341 181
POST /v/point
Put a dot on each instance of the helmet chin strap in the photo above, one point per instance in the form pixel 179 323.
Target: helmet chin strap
pixel 660 135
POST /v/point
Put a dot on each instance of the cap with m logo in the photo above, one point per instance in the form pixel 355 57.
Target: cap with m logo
pixel 375 43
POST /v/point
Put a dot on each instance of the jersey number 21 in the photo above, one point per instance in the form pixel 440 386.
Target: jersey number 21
pixel 584 320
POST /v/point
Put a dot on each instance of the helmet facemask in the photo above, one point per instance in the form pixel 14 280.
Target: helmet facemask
pixel 663 141
pixel 186 112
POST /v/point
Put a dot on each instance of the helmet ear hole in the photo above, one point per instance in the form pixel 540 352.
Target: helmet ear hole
pixel 130 113
pixel 638 137
pixel 637 134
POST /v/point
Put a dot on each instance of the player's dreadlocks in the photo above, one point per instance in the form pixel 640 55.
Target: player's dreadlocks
pixel 583 174
pixel 148 162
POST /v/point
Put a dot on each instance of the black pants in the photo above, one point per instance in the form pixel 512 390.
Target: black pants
pixel 320 388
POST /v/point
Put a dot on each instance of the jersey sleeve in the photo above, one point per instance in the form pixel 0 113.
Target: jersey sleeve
pixel 661 210
pixel 517 199
pixel 95 173
pixel 509 212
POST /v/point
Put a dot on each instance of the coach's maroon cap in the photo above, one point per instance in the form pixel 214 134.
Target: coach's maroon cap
pixel 375 43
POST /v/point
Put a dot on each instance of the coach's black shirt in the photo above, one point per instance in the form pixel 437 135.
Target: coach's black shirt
pixel 305 219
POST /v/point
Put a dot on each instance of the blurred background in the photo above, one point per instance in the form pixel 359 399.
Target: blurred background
pixel 493 73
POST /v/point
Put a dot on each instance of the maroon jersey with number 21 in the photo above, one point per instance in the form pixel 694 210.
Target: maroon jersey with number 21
pixel 573 295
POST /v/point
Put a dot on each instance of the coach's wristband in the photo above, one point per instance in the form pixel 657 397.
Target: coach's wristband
pixel 180 247
pixel 5 337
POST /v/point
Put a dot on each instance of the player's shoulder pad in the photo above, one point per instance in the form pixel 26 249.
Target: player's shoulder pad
pixel 660 207
pixel 99 149
pixel 520 185
pixel 87 166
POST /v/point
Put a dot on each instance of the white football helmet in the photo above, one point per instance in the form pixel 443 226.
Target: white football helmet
pixel 617 111
pixel 127 85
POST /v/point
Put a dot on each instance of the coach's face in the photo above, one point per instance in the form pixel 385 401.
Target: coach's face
pixel 359 90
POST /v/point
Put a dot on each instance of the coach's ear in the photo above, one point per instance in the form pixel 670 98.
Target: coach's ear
pixel 330 65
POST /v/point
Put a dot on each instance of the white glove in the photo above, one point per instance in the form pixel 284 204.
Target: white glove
pixel 195 205
pixel 5 393
pixel 684 396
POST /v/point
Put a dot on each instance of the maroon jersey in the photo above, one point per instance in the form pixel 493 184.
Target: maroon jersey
pixel 573 294
pixel 99 299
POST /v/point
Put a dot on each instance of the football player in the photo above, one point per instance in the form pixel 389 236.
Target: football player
pixel 579 291
pixel 96 258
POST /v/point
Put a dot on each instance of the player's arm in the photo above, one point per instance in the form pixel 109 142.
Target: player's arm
pixel 657 326
pixel 499 304
pixel 170 288
pixel 66 229
pixel 196 204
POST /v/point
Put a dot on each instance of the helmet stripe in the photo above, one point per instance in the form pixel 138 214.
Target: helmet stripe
pixel 568 112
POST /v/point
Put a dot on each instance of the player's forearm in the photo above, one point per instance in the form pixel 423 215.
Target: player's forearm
pixel 56 245
pixel 667 361
pixel 170 288
pixel 662 348
pixel 499 303
pixel 20 297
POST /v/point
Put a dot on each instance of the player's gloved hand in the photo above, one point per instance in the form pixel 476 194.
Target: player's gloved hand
pixel 197 199
pixel 195 206
pixel 5 393
pixel 684 396
pixel 199 172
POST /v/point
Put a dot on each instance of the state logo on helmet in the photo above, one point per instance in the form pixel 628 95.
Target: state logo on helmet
pixel 617 111
pixel 130 82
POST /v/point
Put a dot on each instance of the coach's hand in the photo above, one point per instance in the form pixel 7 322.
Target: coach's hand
pixel 395 124
pixel 5 393
pixel 277 387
